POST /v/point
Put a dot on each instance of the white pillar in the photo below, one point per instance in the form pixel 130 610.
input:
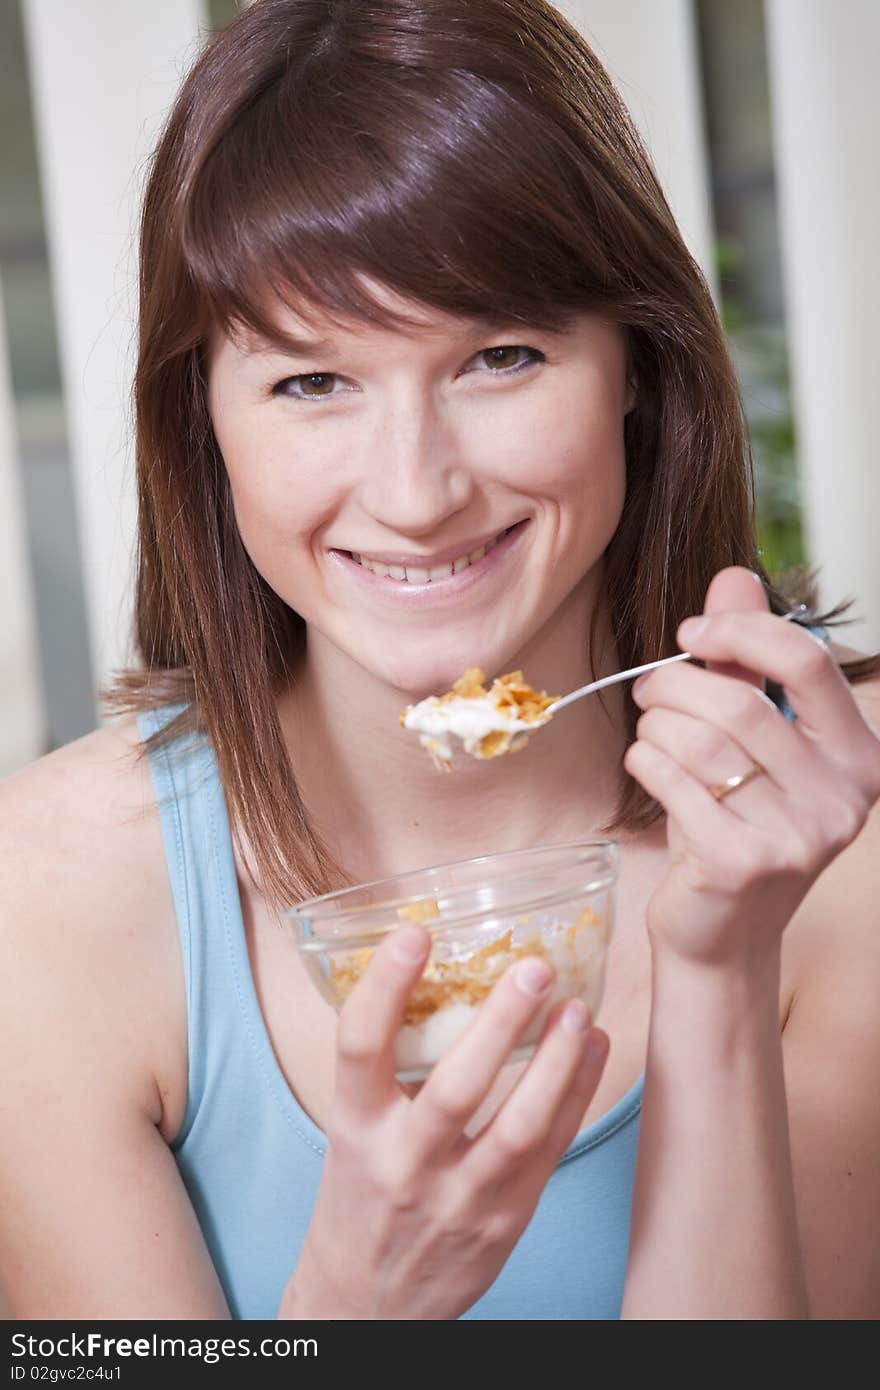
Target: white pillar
pixel 823 85
pixel 103 75
pixel 649 49
pixel 22 712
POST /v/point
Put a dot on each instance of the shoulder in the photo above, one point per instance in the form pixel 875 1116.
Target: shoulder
pixel 831 1045
pixel 96 1220
pixel 848 888
pixel 84 819
pixel 86 897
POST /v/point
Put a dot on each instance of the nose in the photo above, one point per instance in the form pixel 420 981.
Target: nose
pixel 413 475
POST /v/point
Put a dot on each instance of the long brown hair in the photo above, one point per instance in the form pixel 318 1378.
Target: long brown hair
pixel 475 158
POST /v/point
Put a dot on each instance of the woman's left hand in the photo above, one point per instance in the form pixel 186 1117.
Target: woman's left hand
pixel 740 865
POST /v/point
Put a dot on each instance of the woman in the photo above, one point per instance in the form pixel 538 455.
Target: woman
pixel 409 288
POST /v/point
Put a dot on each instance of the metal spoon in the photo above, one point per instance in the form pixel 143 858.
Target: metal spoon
pixel 613 680
pixel 638 671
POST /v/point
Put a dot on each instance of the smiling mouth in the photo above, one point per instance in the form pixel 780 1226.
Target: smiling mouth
pixel 411 574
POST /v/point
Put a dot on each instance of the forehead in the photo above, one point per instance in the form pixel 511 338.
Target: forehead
pixel 292 324
pixel 293 327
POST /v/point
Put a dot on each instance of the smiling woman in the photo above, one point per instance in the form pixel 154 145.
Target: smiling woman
pixel 427 442
pixel 515 151
pixel 428 383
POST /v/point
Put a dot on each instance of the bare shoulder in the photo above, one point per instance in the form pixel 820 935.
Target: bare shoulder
pixel 95 1221
pixel 86 889
pixel 95 777
pixel 844 897
pixel 831 1047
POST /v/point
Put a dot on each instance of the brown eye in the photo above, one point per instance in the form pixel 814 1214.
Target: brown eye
pixel 313 385
pixel 317 386
pixel 501 360
pixel 501 356
pixel 309 386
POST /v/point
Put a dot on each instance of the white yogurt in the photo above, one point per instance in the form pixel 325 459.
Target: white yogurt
pixel 580 972
pixel 467 718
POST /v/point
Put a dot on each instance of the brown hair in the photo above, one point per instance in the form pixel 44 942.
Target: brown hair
pixel 474 158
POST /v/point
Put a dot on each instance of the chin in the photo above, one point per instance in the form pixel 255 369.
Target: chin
pixel 419 684
pixel 421 677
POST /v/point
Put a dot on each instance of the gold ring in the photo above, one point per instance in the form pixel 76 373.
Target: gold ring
pixel 722 789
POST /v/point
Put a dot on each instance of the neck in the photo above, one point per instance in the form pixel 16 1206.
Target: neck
pixel 382 808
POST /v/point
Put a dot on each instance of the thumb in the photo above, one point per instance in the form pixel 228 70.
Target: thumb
pixel 736 589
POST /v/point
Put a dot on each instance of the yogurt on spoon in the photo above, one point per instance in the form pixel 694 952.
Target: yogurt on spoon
pixel 488 722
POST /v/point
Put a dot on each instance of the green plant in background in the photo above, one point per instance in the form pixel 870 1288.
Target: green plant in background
pixel 220 12
pixel 759 352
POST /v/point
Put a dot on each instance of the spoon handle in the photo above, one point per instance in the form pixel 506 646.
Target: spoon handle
pixel 612 680
pixel 639 670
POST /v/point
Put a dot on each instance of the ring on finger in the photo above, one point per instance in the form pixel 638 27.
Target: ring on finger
pixel 722 789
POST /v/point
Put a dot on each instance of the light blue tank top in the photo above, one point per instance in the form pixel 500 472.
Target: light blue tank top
pixel 251 1157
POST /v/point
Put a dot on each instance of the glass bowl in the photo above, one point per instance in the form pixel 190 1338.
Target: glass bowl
pixel 555 901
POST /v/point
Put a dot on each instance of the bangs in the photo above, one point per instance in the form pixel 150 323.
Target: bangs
pixel 452 191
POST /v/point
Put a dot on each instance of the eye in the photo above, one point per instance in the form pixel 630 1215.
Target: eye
pixel 501 368
pixel 312 385
pixel 314 381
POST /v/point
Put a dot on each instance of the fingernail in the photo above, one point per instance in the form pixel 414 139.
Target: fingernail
pixel 637 685
pixel 596 1048
pixel 533 976
pixel 692 628
pixel 408 945
pixel 576 1016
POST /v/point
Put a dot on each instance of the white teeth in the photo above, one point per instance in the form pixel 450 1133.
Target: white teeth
pixel 427 576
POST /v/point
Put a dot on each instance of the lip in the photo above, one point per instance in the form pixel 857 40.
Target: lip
pixel 426 562
pixel 438 591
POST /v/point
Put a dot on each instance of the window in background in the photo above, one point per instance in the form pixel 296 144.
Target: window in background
pixel 220 12
pixel 39 414
pixel 736 100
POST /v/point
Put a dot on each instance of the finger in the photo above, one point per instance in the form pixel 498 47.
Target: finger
pixel 571 1113
pixel 523 1123
pixel 737 590
pixel 371 1017
pixel 461 1080
pixel 802 664
pixel 688 800
pixel 710 756
pixel 525 1186
pixel 727 712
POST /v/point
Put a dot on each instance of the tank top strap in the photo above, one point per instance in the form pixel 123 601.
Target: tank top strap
pixel 190 801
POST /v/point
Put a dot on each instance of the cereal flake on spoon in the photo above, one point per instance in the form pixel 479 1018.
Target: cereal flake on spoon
pixel 488 722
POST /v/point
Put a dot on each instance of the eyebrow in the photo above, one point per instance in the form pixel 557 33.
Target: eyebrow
pixel 289 345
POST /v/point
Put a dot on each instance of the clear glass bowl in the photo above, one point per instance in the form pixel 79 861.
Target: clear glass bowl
pixel 555 901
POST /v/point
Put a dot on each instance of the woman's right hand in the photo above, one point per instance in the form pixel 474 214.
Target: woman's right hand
pixel 413 1219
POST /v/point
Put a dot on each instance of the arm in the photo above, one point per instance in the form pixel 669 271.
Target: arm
pixel 94 1218
pixel 722 1240
pixel 714 1233
pixel 757 1189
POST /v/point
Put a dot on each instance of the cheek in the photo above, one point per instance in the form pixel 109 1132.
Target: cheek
pixel 267 478
pixel 568 448
pixel 277 502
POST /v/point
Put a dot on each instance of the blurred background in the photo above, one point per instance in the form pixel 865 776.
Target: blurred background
pixel 762 121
